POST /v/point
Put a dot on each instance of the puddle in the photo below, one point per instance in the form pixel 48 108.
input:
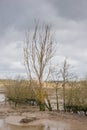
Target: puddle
pixel 55 125
pixel 47 125
pixel 1 123
pixel 2 98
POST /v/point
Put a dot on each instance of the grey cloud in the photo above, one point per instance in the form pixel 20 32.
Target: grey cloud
pixel 11 60
pixel 71 9
pixel 20 14
pixel 69 20
pixel 13 13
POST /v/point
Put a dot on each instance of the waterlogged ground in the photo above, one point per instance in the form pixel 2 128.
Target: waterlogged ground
pixel 46 120
pixel 37 125
pixel 49 121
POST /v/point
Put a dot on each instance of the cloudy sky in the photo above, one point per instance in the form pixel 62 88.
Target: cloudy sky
pixel 69 22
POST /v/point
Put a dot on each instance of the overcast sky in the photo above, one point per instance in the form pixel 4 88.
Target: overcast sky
pixel 69 22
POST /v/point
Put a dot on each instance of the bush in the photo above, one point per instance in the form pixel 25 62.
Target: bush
pixel 76 109
pixel 20 92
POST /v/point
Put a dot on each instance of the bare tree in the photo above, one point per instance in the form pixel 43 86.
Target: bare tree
pixel 55 77
pixel 56 88
pixel 66 76
pixel 38 51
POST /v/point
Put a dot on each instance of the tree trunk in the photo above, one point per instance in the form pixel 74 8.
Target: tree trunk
pixel 49 105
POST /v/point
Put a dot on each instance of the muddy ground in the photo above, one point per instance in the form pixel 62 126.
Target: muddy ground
pixel 76 122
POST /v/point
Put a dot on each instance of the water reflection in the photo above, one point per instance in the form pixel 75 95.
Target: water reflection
pixel 1 123
pixel 2 98
pixel 56 125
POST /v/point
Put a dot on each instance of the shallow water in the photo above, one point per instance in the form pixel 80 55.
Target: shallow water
pixel 2 98
pixel 48 125
pixel 4 126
